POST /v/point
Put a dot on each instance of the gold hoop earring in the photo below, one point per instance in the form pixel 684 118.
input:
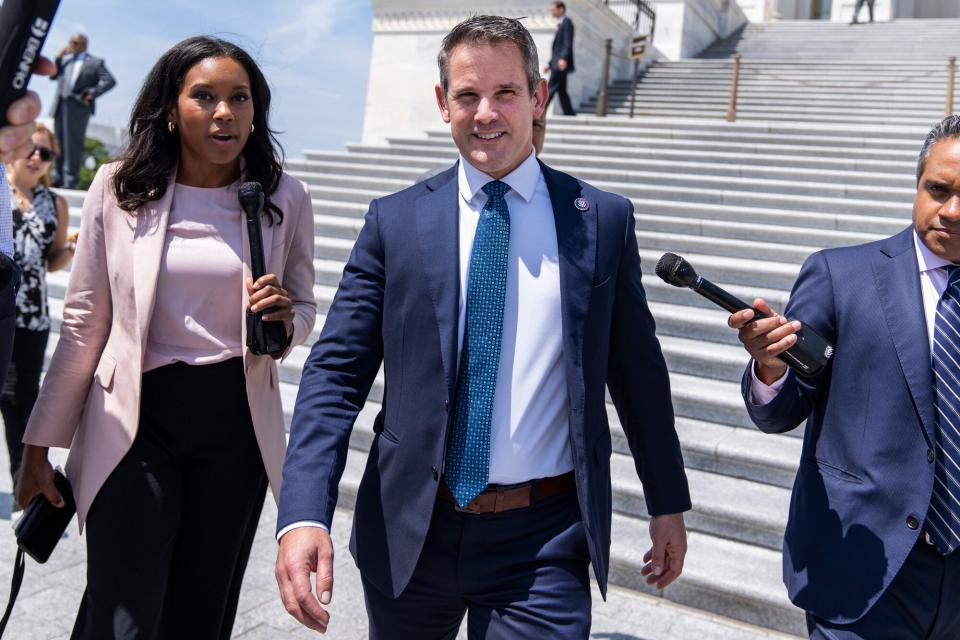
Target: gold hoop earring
pixel 252 127
pixel 171 126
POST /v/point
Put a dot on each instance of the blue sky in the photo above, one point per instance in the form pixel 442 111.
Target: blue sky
pixel 315 54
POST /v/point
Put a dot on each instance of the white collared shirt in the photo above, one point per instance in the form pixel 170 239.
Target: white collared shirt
pixel 77 63
pixel 529 431
pixel 933 282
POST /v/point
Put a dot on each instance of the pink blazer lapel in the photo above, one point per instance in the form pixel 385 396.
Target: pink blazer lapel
pixel 149 236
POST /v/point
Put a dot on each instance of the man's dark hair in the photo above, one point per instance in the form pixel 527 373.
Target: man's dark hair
pixel 490 30
pixel 946 129
pixel 153 151
pixel 560 5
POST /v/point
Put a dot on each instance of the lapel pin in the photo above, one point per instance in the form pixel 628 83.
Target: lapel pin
pixel 581 204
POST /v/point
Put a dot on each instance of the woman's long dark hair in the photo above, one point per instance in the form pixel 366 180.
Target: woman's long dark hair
pixel 153 151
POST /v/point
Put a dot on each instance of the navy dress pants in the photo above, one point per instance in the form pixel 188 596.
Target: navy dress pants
pixel 922 603
pixel 516 574
pixel 170 531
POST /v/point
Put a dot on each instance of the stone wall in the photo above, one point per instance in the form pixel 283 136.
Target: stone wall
pixel 407 36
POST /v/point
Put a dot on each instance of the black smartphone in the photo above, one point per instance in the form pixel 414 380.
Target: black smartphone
pixel 24 25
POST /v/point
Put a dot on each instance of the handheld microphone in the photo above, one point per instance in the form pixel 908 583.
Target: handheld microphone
pixel 24 25
pixel 264 337
pixel 808 356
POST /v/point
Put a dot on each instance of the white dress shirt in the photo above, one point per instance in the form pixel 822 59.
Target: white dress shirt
pixel 6 215
pixel 76 66
pixel 933 282
pixel 529 430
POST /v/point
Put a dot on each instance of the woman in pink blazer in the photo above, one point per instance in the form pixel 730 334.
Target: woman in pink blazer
pixel 174 427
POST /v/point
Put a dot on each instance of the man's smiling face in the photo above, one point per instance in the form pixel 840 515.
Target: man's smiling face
pixel 489 107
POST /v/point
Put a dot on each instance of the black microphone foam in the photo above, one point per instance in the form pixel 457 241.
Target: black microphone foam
pixel 251 198
pixel 674 270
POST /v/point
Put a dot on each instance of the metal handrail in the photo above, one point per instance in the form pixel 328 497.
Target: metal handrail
pixel 637 13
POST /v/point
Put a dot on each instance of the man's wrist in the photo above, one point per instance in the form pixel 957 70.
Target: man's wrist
pixel 768 374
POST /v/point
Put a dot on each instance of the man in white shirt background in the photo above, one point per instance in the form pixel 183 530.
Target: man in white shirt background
pixel 872 539
pixel 502 298
pixel 81 79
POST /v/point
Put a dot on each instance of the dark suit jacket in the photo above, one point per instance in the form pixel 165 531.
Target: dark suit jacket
pixel 563 46
pixel 398 304
pixel 864 472
pixel 94 78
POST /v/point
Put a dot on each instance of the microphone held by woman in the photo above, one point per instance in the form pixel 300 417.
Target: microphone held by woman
pixel 264 337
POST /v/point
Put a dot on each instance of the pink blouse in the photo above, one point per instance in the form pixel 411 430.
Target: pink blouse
pixel 196 317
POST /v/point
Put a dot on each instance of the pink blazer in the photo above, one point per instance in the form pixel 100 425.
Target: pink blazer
pixel 90 399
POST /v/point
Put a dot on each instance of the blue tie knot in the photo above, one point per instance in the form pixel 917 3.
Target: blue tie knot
pixel 496 189
pixel 953 275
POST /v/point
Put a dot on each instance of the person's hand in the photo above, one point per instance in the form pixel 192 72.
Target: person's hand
pixel 561 64
pixel 546 68
pixel 664 560
pixel 88 99
pixel 267 292
pixel 36 477
pixel 765 339
pixel 15 137
pixel 67 48
pixel 303 551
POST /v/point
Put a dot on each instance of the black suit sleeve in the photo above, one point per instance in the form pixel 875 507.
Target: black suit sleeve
pixel 640 387
pixel 337 378
pixel 105 81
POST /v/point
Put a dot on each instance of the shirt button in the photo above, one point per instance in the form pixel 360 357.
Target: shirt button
pixel 913 523
pixel 435 473
pixel 931 456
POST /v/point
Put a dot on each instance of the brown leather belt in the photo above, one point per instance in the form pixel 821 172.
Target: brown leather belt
pixel 521 496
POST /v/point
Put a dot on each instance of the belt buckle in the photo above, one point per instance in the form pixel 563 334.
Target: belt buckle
pixel 470 507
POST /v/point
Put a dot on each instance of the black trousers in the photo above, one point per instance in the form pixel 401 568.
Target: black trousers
pixel 860 4
pixel 557 86
pixel 517 574
pixel 20 390
pixel 169 533
pixel 921 603
pixel 70 127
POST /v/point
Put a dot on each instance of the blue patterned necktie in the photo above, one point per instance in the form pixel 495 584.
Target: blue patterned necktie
pixel 468 451
pixel 943 520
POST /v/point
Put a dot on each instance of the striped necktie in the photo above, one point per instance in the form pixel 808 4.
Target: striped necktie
pixel 943 520
pixel 468 451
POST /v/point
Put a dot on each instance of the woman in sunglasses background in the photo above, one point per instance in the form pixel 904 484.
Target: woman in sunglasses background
pixel 40 221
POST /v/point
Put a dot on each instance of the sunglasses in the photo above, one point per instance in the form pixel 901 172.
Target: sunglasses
pixel 46 154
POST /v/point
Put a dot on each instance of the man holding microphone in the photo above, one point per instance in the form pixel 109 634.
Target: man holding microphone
pixel 871 546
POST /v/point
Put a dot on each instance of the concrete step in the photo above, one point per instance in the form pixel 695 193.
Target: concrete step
pixel 570 158
pixel 635 170
pixel 607 144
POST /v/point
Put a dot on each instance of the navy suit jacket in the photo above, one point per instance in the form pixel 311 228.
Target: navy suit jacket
pixel 563 46
pixel 864 476
pixel 398 304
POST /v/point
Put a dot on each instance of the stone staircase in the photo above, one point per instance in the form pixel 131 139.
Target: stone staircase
pixel 746 202
pixel 806 71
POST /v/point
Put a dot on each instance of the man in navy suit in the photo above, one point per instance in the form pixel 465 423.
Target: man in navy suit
pixel 870 550
pixel 81 79
pixel 561 59
pixel 502 298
